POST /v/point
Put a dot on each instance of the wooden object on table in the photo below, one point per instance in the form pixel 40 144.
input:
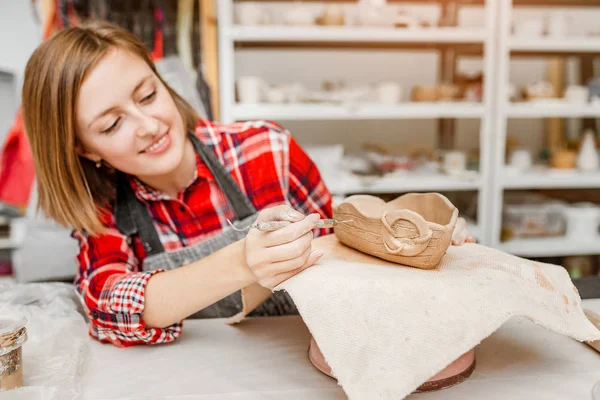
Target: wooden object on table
pixel 210 51
pixel 414 229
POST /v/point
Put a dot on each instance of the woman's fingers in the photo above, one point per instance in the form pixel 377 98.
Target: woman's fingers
pixel 280 213
pixel 291 250
pixel 292 232
pixel 315 255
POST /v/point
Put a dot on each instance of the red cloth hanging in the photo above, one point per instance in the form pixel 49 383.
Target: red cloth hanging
pixel 17 169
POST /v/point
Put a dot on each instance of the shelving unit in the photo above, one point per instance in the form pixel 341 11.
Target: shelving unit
pixel 357 111
pixel 433 38
pixel 550 179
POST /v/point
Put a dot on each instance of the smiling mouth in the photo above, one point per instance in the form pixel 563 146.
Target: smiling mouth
pixel 156 144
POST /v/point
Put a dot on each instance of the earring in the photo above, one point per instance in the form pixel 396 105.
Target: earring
pixel 98 164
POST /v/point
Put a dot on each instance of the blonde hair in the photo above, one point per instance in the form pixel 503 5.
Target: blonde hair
pixel 71 189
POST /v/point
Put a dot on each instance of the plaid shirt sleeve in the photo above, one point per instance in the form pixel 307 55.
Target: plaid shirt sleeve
pixel 112 287
pixel 306 189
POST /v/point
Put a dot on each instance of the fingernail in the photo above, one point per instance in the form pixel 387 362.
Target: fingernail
pixel 318 253
pixel 295 214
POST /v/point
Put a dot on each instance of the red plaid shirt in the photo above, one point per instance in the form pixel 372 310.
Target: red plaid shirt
pixel 267 164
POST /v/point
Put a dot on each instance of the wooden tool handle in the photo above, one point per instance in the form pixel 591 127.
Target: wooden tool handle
pixel 594 319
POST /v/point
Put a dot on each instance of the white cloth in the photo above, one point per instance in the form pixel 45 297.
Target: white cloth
pixel 384 329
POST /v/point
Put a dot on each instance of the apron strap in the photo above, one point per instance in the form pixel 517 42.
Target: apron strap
pixel 238 201
pixel 133 217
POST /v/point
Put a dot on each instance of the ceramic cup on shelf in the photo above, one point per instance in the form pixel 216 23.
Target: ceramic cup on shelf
pixel 251 14
pixel 251 89
pixel 389 92
pixel 520 160
pixel 299 16
pixel 277 94
pixel 577 94
pixel 557 24
pixel 455 162
pixel 582 221
pixel 529 28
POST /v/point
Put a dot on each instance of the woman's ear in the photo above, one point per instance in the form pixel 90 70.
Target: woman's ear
pixel 81 151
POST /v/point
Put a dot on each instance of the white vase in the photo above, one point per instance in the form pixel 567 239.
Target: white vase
pixel 587 159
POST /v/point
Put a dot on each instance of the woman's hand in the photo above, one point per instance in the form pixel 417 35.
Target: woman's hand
pixel 274 257
pixel 461 234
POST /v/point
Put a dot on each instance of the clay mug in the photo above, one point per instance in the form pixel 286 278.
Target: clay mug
pixel 250 14
pixel 389 92
pixel 520 160
pixel 455 162
pixel 251 89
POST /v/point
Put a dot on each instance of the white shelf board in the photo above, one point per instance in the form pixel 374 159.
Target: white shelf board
pixel 550 109
pixel 327 111
pixel 282 33
pixel 567 45
pixel 551 247
pixel 346 183
pixel 552 179
pixel 7 244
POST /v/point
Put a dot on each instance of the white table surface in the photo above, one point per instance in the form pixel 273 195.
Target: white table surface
pixel 267 359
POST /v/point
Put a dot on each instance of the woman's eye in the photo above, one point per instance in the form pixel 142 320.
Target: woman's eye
pixel 112 127
pixel 149 97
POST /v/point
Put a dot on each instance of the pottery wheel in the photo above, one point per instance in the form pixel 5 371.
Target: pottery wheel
pixel 453 374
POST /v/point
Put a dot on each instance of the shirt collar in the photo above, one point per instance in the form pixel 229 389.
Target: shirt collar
pixel 145 192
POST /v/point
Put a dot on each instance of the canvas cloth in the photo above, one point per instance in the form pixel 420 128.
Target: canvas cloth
pixel 384 329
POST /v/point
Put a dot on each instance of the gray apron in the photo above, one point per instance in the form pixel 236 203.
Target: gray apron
pixel 133 218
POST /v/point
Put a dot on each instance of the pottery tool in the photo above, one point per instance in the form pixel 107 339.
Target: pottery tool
pixel 594 319
pixel 269 226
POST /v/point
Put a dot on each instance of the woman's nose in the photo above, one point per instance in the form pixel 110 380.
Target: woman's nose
pixel 147 125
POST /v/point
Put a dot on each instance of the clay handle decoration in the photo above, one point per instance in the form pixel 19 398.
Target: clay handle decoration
pixel 414 229
pixel 398 245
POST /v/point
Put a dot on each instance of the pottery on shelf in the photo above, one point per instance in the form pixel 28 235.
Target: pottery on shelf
pixel 251 89
pixel 414 229
pixel 389 92
pixel 521 160
pixel 563 159
pixel 333 15
pixel 587 158
pixel 577 94
pixel 251 14
pixel 539 91
pixel 299 16
pixel 455 373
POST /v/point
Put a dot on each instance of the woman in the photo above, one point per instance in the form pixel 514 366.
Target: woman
pixel 149 189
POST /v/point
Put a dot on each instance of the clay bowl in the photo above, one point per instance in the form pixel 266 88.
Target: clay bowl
pixel 455 373
pixel 414 229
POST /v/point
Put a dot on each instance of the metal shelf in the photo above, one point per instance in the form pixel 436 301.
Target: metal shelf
pixel 357 111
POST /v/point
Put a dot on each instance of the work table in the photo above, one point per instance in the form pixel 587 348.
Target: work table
pixel 267 358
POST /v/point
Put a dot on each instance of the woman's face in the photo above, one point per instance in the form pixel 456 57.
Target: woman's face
pixel 127 118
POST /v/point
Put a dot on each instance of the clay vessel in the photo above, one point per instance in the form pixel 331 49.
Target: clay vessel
pixel 414 229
